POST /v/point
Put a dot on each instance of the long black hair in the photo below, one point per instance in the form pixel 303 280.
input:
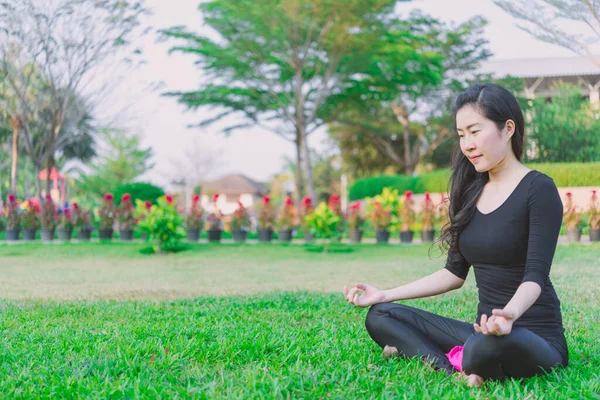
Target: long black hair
pixel 466 184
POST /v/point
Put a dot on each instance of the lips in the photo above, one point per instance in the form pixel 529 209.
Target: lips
pixel 475 157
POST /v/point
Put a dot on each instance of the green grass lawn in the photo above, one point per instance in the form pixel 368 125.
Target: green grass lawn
pixel 264 321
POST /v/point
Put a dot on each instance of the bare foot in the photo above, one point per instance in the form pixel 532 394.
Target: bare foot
pixel 474 380
pixel 389 351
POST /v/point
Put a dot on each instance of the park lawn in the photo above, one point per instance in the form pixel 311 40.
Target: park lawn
pixel 253 321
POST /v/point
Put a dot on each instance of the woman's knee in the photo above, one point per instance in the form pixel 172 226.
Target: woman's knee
pixel 376 312
pixel 479 350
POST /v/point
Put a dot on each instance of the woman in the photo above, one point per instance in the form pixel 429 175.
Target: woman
pixel 504 221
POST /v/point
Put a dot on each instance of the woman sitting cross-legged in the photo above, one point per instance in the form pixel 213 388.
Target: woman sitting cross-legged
pixel 504 222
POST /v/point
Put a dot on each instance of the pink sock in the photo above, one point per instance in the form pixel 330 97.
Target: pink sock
pixel 455 357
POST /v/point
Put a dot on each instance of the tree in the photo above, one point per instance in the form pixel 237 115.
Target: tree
pixel 564 130
pixel 405 114
pixel 541 19
pixel 121 161
pixel 277 62
pixel 48 52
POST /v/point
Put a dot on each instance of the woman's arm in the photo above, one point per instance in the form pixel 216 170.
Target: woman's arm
pixel 526 294
pixel 439 282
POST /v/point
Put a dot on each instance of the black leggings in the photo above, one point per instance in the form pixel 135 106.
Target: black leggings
pixel 415 332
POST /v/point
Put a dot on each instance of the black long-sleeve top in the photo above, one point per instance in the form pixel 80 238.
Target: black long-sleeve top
pixel 513 244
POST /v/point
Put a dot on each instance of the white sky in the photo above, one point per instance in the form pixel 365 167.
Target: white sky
pixel 161 122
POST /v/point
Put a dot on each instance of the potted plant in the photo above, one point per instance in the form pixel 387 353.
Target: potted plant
pixel 194 219
pixel 407 216
pixel 163 225
pixel 306 208
pixel 142 209
pixel 286 220
pixel 125 218
pixel 214 222
pixel 443 210
pixel 324 223
pixel 49 218
pixel 381 219
pixel 106 215
pixel 356 222
pixel 427 217
pixel 65 225
pixel 82 222
pixel 240 223
pixel 594 218
pixel 266 219
pixel 12 218
pixel 572 219
pixel 30 219
pixel 335 206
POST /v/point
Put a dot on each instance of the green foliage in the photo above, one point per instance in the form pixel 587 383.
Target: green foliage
pixel 323 222
pixel 383 208
pixel 139 191
pixel 563 174
pixel 163 224
pixel 564 130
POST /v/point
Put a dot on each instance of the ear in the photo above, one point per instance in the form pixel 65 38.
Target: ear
pixel 510 127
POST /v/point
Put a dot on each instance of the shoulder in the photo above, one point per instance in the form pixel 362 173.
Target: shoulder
pixel 541 182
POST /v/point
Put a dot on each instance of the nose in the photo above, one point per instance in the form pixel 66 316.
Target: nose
pixel 468 143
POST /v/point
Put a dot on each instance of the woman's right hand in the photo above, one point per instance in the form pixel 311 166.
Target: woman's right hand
pixel 370 295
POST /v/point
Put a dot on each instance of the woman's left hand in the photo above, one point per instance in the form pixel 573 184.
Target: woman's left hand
pixel 499 324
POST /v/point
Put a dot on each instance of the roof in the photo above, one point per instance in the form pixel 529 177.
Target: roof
pixel 234 184
pixel 541 67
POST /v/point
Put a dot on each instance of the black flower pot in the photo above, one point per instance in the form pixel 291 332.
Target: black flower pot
pixel 356 236
pixel 265 235
pixel 12 235
pixel 214 235
pixel 126 235
pixel 406 236
pixel 193 235
pixel 65 234
pixel 84 234
pixel 382 236
pixel 29 234
pixel 239 236
pixel 47 235
pixel 285 235
pixel 428 235
pixel 574 235
pixel 105 233
pixel 594 235
pixel 308 237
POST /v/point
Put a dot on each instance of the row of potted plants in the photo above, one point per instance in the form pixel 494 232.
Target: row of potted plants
pixel 573 218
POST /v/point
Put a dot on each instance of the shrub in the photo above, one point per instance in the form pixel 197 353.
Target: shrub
pixel 163 225
pixel 306 208
pixel 370 187
pixel 31 217
pixel 139 191
pixel 355 218
pixel 106 213
pixel 323 222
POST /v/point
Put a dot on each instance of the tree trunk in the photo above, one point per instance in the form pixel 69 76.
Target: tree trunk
pixel 38 184
pixel 299 182
pixel 310 184
pixel 15 154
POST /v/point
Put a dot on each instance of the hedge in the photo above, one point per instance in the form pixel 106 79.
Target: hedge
pixel 139 191
pixel 563 174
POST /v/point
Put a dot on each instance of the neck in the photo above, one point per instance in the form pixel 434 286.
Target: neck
pixel 505 169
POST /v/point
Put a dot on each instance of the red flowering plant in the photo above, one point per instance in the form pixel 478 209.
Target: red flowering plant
pixel 380 216
pixel 11 213
pixel 195 215
pixel 31 217
pixel 214 219
pixel 240 220
pixel 306 208
pixel 335 206
pixel 287 218
pixel 356 219
pixel 594 212
pixel 571 216
pixel 81 218
pixel 407 212
pixel 125 213
pixel 427 214
pixel 65 220
pixel 266 214
pixel 443 210
pixel 106 212
pixel 49 214
pixel 142 209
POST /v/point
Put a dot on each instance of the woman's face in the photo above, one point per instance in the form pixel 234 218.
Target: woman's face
pixel 480 139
